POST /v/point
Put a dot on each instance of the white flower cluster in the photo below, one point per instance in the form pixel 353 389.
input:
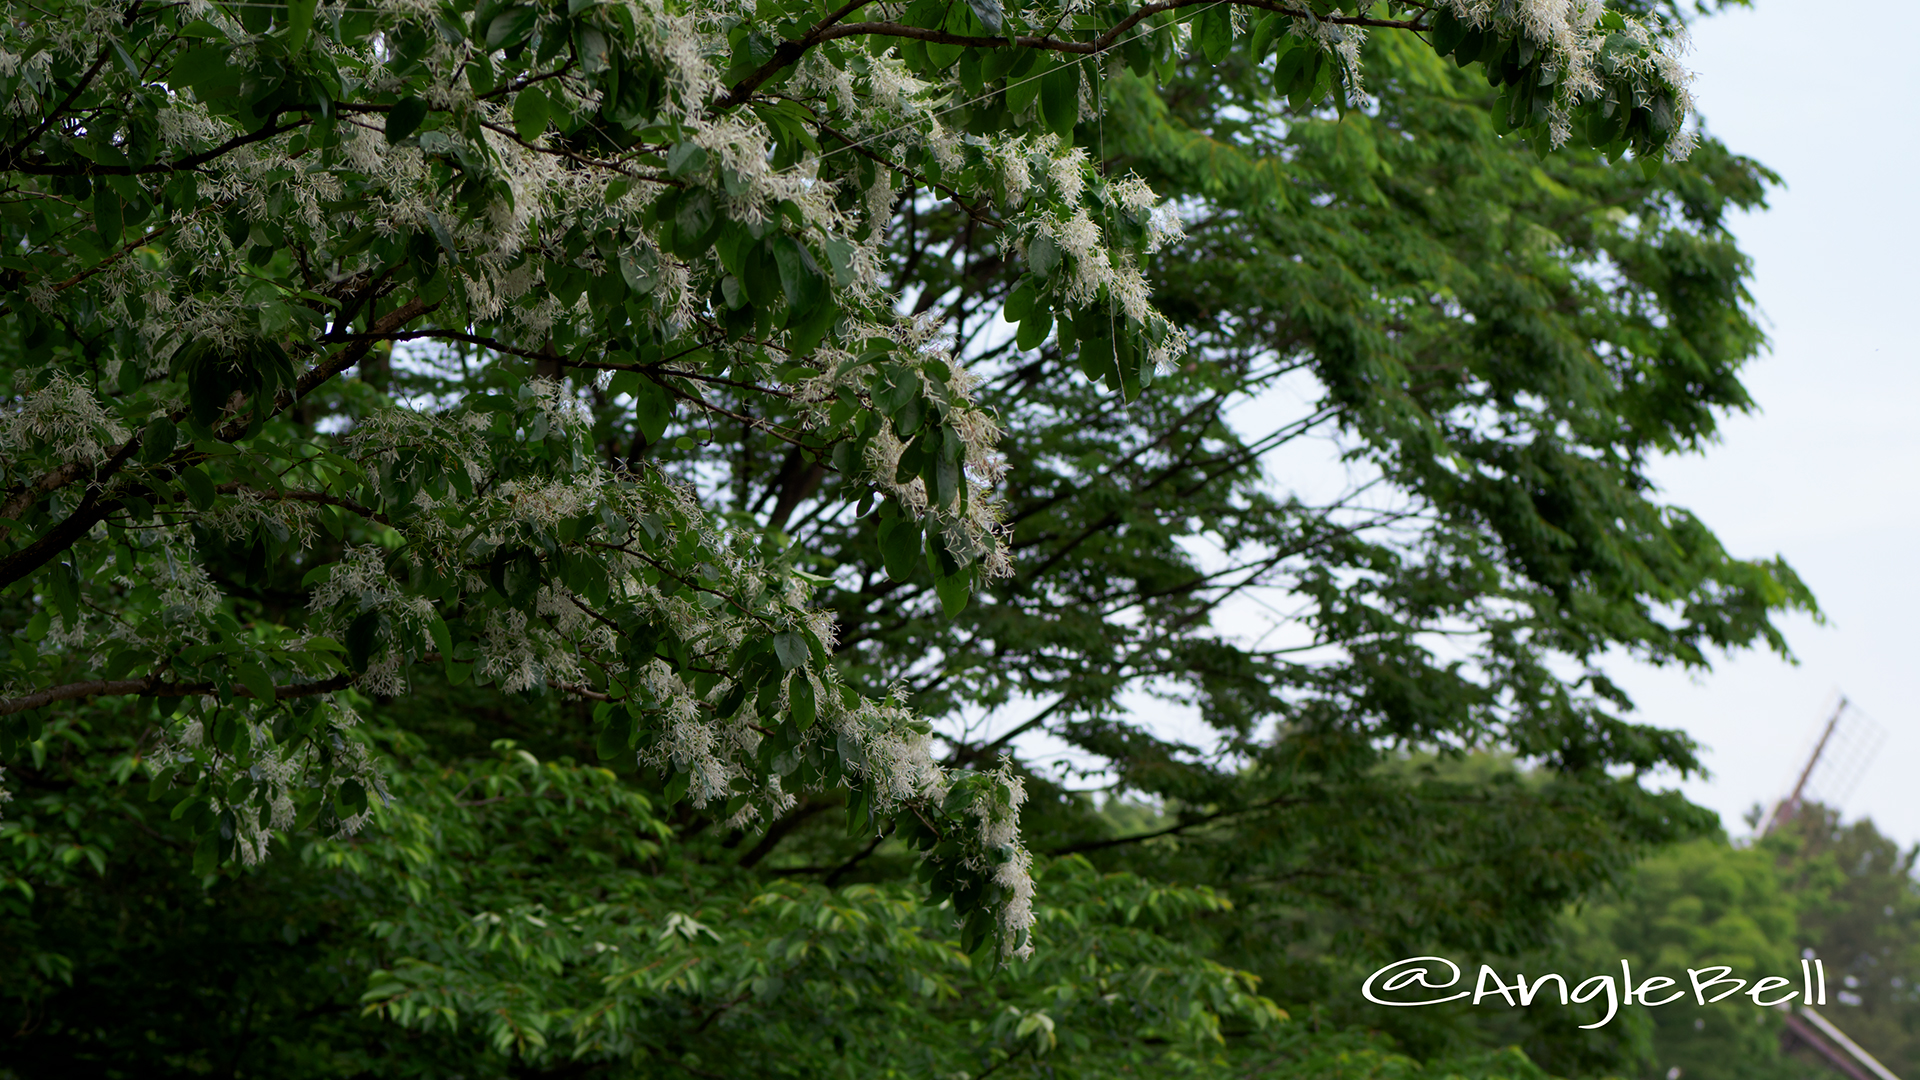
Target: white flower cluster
pixel 1342 41
pixel 274 771
pixel 187 584
pixel 1094 268
pixel 62 419
pixel 237 517
pixel 895 754
pixel 1164 226
pixel 973 523
pixel 359 583
pixel 1067 218
pixel 508 254
pixel 998 834
pixel 1571 35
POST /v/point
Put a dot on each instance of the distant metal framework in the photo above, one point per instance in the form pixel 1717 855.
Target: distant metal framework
pixel 1805 1025
pixel 1845 747
pixel 1840 755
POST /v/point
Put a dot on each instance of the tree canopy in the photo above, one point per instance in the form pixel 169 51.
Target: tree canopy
pixel 692 433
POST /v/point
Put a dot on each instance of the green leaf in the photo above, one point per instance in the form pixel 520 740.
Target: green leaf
pixel 807 329
pixel 840 254
pixel 121 662
pixel 442 639
pixel 511 27
pixel 130 378
pixel 1214 32
pixel 299 23
pixel 199 487
pixel 800 699
pixel 800 276
pixel 162 784
pixel 158 440
pixel 204 70
pixel 255 679
pixel 1043 255
pixel 443 236
pixel 1263 36
pixel 1020 302
pixel 696 224
pixel 614 741
pixel 685 159
pixel 107 214
pixel 1294 66
pixel 350 798
pixel 989 12
pixel 730 702
pixel 206 854
pixel 530 112
pixel 515 574
pixel 404 118
pixel 66 592
pixel 1034 329
pixel 1022 87
pixel 859 820
pixel 760 275
pixel 1060 98
pixel 1448 30
pixel 653 409
pixel 899 546
pixel 639 278
pixel 901 385
pixel 364 636
pixel 791 647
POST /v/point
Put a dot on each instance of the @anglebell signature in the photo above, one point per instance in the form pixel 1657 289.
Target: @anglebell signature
pixel 1417 976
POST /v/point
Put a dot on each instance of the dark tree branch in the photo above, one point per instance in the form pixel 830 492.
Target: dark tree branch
pixel 840 871
pixel 54 114
pixel 963 754
pixel 153 687
pixel 91 511
pixel 1174 830
pixel 831 29
pixel 779 830
pixel 796 481
pixel 13 161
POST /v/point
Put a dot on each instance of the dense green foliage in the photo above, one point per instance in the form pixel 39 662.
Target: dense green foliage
pixel 1700 904
pixel 1843 893
pixel 219 211
pixel 1860 912
pixel 481 716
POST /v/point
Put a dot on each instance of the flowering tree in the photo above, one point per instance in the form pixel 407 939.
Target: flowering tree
pixel 625 224
pixel 1500 341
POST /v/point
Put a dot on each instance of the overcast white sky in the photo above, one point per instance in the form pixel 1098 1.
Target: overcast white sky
pixel 1827 473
